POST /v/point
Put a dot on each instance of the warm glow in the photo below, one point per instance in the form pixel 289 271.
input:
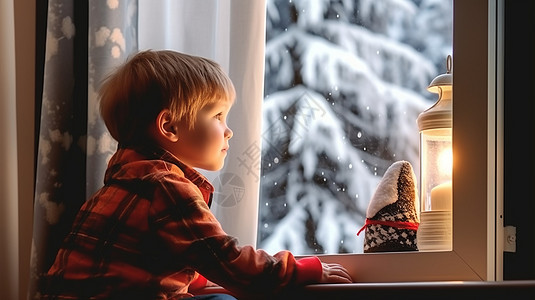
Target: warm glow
pixel 445 162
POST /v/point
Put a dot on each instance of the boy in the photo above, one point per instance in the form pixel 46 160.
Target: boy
pixel 149 233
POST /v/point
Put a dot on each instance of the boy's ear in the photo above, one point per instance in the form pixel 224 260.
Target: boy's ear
pixel 165 127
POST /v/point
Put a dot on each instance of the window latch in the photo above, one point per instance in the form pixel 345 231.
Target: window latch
pixel 509 242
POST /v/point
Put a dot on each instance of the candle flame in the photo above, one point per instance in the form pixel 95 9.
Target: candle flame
pixel 445 162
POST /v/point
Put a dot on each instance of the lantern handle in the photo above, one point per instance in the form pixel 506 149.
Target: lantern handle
pixel 448 64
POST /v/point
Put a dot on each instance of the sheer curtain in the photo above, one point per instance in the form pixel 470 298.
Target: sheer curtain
pixel 233 34
pixel 87 39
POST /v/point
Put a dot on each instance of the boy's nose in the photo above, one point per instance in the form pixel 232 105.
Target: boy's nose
pixel 228 133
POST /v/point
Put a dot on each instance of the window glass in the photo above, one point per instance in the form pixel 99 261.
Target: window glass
pixel 344 84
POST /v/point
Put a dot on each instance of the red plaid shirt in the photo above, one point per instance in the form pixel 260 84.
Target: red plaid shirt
pixel 149 232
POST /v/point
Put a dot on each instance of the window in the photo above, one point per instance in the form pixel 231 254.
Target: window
pixel 344 85
pixel 476 143
pixel 477 150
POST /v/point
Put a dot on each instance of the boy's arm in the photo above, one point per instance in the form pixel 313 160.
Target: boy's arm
pixel 192 233
pixel 221 259
pixel 306 268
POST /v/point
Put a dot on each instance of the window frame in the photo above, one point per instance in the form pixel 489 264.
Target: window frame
pixel 477 145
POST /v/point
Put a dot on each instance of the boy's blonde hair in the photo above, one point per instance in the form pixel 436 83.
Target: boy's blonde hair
pixel 150 81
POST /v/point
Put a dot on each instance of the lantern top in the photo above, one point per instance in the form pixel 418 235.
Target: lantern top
pixel 439 115
pixel 442 81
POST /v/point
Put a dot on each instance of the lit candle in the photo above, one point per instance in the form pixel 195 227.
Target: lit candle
pixel 441 197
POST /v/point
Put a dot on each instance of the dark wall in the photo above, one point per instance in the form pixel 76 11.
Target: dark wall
pixel 519 150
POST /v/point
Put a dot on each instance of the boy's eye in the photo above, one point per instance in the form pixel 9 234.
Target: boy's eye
pixel 219 116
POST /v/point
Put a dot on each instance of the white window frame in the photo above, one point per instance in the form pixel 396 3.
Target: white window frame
pixel 477 172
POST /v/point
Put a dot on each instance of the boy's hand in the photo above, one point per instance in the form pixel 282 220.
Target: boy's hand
pixel 335 273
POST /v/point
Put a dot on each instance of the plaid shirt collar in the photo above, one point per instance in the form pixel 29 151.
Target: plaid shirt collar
pixel 132 163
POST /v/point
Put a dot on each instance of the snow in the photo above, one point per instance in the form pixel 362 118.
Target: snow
pixel 344 84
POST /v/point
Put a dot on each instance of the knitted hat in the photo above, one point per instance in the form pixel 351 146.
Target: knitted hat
pixel 392 216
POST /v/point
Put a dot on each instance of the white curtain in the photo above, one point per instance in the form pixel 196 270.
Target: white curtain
pixel 9 242
pixel 231 32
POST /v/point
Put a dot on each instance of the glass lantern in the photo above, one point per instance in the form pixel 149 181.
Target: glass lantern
pixel 436 161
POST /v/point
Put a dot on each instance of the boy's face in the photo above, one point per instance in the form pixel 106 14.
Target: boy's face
pixel 206 145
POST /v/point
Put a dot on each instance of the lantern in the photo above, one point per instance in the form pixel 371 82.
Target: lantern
pixel 436 161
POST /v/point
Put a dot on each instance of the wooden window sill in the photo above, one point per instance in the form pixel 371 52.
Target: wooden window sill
pixel 514 289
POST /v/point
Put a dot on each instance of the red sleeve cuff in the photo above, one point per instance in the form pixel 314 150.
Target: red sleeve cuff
pixel 309 270
pixel 198 283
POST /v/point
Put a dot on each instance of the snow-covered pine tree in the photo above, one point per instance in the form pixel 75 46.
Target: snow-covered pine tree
pixel 344 83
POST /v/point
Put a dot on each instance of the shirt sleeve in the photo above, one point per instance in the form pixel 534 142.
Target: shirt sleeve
pixel 309 270
pixel 194 236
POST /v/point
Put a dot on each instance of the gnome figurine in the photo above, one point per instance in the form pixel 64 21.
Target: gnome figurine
pixel 392 216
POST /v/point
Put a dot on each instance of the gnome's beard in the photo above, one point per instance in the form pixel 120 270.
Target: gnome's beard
pixel 391 235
